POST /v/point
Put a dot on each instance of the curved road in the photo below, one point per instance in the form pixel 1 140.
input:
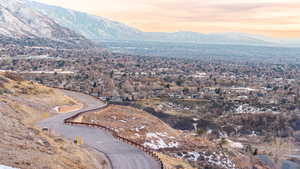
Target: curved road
pixel 121 155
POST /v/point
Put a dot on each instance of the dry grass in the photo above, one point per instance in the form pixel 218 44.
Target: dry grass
pixel 23 104
pixel 279 148
pixel 69 155
pixel 154 103
pixel 14 85
pixel 27 88
pixel 44 102
pixel 127 119
pixel 55 98
pixel 173 163
pixel 135 124
pixel 20 91
pixel 246 162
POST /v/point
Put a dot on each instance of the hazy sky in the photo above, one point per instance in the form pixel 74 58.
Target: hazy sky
pixel 277 18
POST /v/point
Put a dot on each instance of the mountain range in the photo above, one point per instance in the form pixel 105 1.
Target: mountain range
pixel 30 19
pixel 100 29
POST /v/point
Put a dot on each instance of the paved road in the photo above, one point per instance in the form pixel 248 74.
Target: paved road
pixel 121 155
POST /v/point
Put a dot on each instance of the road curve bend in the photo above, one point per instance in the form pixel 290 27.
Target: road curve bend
pixel 121 155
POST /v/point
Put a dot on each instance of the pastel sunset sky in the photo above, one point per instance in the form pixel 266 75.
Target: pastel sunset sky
pixel 276 18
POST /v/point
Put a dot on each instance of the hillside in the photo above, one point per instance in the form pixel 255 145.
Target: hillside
pixel 149 131
pixel 19 23
pixel 22 103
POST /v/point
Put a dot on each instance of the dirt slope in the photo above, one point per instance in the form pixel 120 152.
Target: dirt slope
pixel 22 103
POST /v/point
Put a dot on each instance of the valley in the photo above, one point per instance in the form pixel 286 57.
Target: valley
pixel 184 112
pixel 80 91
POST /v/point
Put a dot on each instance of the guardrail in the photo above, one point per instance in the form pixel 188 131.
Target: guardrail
pixel 70 121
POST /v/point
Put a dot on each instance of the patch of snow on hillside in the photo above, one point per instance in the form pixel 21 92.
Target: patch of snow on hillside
pixel 214 158
pixel 218 160
pixel 235 144
pixel 245 108
pixel 243 89
pixel 123 121
pixel 156 142
pixel 253 134
pixel 164 134
pixel 56 109
pixel 193 156
pixel 139 128
pixel 6 167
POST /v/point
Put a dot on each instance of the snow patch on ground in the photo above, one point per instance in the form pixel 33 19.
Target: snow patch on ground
pixel 56 109
pixel 253 134
pixel 243 89
pixel 209 131
pixel 139 128
pixel 156 141
pixel 235 144
pixel 245 108
pixel 6 167
pixel 193 156
pixel 214 158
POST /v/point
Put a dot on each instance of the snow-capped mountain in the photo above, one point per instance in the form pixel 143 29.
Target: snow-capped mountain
pixel 98 29
pixel 19 21
pixel 90 26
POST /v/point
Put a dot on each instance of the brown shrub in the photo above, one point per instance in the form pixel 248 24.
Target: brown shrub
pixel 3 80
pixel 13 76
